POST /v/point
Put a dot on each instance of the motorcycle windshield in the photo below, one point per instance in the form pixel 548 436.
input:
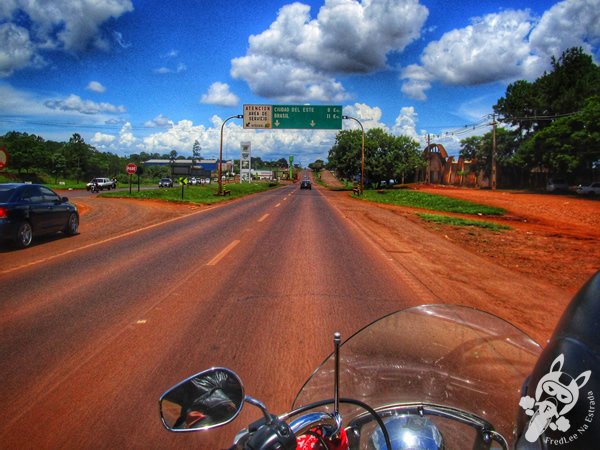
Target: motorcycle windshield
pixel 446 355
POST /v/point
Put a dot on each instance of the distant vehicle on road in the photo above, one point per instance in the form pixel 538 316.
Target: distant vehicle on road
pixel 165 182
pixel 102 183
pixel 557 185
pixel 305 184
pixel 589 189
pixel 28 210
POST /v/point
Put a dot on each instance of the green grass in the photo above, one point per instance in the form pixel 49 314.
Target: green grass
pixel 432 202
pixel 195 194
pixel 458 222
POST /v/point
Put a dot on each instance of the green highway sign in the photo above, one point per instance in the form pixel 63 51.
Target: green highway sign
pixel 307 117
pixel 283 117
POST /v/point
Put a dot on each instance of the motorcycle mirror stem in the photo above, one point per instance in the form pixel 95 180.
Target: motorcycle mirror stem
pixel 260 405
pixel 337 339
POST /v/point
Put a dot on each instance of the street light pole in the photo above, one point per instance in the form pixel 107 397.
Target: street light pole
pixel 362 160
pixel 220 162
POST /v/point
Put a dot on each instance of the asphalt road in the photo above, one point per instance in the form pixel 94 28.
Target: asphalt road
pixel 91 337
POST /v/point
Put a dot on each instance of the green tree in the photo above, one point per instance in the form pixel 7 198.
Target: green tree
pixel 573 79
pixel 519 106
pixel 316 166
pixel 386 156
pixel 554 118
pixel 570 145
pixel 77 154
pixel 59 164
pixel 26 151
pixel 478 150
pixel 196 152
pixel 345 155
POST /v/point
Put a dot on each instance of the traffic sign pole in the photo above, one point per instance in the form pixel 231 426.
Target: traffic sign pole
pixel 131 169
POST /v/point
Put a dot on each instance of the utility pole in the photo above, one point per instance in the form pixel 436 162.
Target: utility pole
pixel 427 169
pixel 494 152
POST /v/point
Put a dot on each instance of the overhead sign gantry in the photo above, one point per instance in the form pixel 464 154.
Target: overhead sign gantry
pixel 299 117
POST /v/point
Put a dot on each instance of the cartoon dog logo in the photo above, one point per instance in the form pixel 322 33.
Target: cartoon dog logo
pixel 555 395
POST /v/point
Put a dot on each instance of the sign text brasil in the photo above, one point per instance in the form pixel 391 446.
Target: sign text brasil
pixel 285 117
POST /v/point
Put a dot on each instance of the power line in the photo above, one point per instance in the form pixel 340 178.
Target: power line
pixel 484 123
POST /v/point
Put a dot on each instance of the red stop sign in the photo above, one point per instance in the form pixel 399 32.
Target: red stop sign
pixel 131 168
pixel 3 158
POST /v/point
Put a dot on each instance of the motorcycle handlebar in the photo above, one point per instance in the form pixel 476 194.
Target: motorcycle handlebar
pixel 309 421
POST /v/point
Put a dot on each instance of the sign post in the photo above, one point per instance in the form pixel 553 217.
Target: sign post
pixel 131 169
pixel 183 181
pixel 245 162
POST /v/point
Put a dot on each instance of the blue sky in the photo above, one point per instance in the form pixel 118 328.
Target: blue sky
pixel 155 76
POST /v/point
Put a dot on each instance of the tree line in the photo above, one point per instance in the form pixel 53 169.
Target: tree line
pixel 551 127
pixel 33 157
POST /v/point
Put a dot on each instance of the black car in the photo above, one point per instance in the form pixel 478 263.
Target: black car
pixel 28 210
pixel 305 184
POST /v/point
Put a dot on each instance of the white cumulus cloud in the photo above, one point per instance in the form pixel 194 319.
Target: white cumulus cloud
pixel 96 86
pixel 298 57
pixel 504 46
pixel 406 123
pixel 369 116
pixel 63 25
pixel 126 136
pixel 16 49
pixel 219 94
pixel 77 104
pixel 102 139
pixel 160 121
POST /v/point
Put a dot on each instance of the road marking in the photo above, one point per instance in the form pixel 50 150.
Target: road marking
pixel 263 217
pixel 277 205
pixel 224 252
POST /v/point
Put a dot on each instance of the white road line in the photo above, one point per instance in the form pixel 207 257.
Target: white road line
pixel 263 217
pixel 224 252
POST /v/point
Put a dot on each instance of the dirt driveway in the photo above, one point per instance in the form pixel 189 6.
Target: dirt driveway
pixel 526 275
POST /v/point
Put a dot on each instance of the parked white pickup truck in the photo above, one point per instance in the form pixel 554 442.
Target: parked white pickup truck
pixel 103 183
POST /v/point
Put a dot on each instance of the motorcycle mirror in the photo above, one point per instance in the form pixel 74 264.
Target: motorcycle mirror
pixel 206 400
